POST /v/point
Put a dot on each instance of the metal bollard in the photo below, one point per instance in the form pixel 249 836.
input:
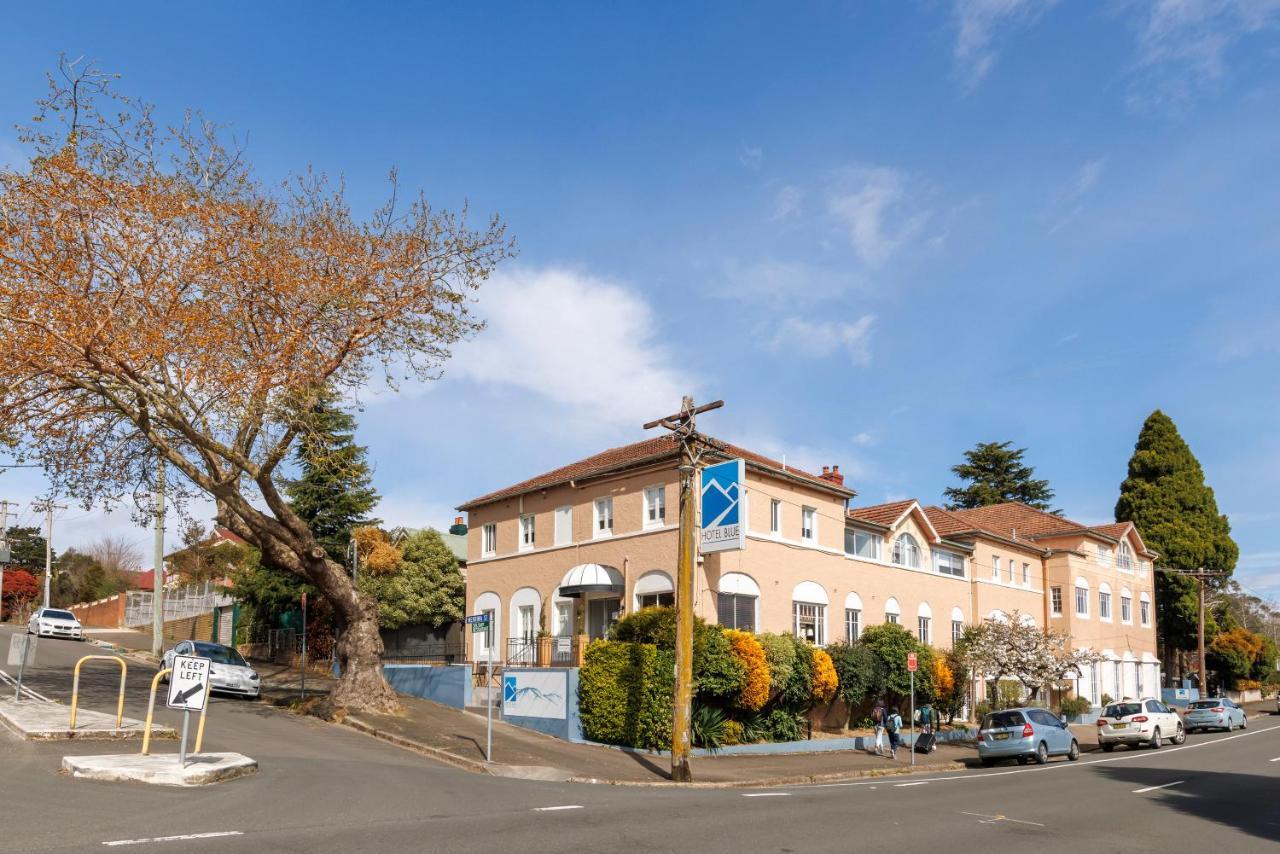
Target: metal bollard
pixel 151 707
pixel 75 687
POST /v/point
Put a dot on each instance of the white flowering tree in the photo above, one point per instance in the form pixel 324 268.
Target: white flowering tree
pixel 1014 647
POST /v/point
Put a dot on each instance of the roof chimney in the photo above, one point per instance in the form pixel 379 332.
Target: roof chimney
pixel 832 473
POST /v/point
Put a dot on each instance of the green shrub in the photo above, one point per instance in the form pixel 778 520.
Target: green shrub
pixel 755 726
pixel 625 693
pixel 708 727
pixel 798 692
pixel 784 725
pixel 859 670
pixel 1073 707
pixel 891 643
pixel 717 673
pixel 780 653
pixel 732 732
pixel 1107 700
pixel 655 625
pixel 980 711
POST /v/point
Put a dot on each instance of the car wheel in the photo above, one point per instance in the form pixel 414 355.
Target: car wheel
pixel 1179 735
pixel 1107 747
pixel 1244 722
pixel 1156 741
pixel 1022 760
pixel 1042 754
pixel 1074 753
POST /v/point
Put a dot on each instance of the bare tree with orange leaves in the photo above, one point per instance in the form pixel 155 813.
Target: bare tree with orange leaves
pixel 160 303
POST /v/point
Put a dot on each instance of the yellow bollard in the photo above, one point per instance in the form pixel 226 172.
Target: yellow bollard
pixel 151 707
pixel 75 687
pixel 200 729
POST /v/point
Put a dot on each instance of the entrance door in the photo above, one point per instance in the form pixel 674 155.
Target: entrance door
pixel 601 616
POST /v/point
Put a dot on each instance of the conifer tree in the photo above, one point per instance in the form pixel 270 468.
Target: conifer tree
pixel 995 474
pixel 1176 514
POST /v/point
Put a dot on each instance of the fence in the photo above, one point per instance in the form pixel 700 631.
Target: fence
pixel 191 601
pixel 433 653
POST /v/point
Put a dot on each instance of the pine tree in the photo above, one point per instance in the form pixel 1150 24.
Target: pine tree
pixel 1175 512
pixel 334 493
pixel 26 547
pixel 995 474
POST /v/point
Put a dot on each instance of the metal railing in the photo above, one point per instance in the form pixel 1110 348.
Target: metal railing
pixel 432 653
pixel 522 651
pixel 179 603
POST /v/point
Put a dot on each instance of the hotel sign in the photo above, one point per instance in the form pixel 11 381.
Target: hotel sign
pixel 724 528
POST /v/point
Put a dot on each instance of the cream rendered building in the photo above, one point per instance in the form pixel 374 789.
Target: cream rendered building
pixel 570 552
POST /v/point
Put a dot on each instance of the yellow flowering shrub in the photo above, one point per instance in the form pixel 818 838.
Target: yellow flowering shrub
pixel 750 654
pixel 944 681
pixel 824 677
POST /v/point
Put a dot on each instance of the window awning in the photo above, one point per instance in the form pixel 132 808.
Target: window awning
pixel 591 578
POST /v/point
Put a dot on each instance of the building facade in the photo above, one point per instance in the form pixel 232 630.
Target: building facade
pixel 568 553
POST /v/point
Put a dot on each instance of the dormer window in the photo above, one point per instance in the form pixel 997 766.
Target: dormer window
pixel 906 552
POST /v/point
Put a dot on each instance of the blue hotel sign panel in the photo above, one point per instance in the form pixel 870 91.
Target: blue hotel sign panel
pixel 724 527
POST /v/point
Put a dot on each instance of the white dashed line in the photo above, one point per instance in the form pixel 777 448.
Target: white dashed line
pixel 993 819
pixel 557 809
pixel 184 838
pixel 768 795
pixel 904 785
pixel 1277 759
pixel 1153 788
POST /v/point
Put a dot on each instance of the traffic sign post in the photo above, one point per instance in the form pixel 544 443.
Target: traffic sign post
pixel 188 691
pixel 912 664
pixel 480 623
pixel 22 650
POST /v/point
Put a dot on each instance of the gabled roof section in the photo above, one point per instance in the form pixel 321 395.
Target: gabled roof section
pixel 945 522
pixel 891 515
pixel 1120 531
pixel 647 452
pixel 1019 522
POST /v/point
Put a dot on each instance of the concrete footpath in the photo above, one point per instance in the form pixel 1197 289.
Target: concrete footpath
pixel 458 738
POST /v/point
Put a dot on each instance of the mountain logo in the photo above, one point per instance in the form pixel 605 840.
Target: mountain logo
pixel 721 502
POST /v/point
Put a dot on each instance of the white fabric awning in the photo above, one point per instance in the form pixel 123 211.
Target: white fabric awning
pixel 591 578
pixel 652 582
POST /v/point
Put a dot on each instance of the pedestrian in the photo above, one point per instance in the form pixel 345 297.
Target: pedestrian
pixel 893 724
pixel 878 715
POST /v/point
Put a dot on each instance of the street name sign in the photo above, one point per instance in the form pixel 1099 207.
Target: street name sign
pixel 479 623
pixel 189 683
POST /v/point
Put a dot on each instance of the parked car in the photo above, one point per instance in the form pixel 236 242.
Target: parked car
pixel 1134 722
pixel 55 623
pixel 228 671
pixel 1215 713
pixel 1025 734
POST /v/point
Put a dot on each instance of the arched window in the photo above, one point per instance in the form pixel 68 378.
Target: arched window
pixel 1124 556
pixel 906 552
pixel 1144 608
pixel 892 613
pixel 957 624
pixel 738 602
pixel 809 612
pixel 924 623
pixel 1082 597
pixel 1126 606
pixel 1104 601
pixel 852 617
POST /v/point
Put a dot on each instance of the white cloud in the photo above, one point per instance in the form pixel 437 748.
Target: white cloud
pixel 786 282
pixel 1067 203
pixel 977 22
pixel 410 510
pixel 787 202
pixel 864 438
pixel 1182 45
pixel 819 340
pixel 1069 337
pixel 751 157
pixel 878 210
pixel 586 344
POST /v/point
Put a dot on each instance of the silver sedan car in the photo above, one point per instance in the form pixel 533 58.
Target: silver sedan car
pixel 228 671
pixel 1215 713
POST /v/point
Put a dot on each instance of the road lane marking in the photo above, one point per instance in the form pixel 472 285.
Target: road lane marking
pixel 183 838
pixel 993 819
pixel 9 680
pixel 768 795
pixel 1084 763
pixel 1153 788
pixel 903 785
pixel 1277 759
pixel 557 809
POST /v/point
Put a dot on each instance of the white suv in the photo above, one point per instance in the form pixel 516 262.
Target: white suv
pixel 1133 722
pixel 54 622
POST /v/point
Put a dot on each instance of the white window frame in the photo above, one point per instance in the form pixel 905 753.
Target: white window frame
pixel 924 629
pixel 564 525
pixel 809 524
pixel 1026 574
pixel 1124 557
pixel 894 617
pixel 995 567
pixel 775 517
pixel 655 507
pixel 1126 608
pixel 564 619
pixel 1144 609
pixel 1055 600
pixel 528 532
pixel 1082 595
pixel 957 631
pixel 940 555
pixel 906 551
pixel 489 539
pixel 1013 578
pixel 1104 604
pixel 852 624
pixel 602 512
pixel 819 617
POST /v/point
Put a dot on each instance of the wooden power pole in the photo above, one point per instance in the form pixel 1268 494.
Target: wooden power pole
pixel 1200 575
pixel 683 425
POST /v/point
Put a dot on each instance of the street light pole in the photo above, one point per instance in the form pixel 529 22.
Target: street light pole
pixel 157 573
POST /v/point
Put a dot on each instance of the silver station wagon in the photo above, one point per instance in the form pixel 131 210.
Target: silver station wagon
pixel 1025 734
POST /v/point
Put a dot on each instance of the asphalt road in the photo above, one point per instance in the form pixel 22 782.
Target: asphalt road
pixel 324 788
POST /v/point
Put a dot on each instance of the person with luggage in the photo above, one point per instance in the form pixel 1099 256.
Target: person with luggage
pixel 878 715
pixel 927 741
pixel 893 725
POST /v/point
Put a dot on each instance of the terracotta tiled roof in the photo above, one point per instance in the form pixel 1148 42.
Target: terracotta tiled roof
pixel 639 453
pixel 1016 520
pixel 1115 529
pixel 945 522
pixel 881 514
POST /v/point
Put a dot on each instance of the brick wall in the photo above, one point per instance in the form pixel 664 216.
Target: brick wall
pixel 104 614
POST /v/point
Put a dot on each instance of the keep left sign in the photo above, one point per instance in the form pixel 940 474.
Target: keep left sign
pixel 189 683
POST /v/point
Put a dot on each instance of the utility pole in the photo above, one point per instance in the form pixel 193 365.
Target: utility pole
pixel 4 547
pixel 1200 575
pixel 157 574
pixel 48 507
pixel 683 425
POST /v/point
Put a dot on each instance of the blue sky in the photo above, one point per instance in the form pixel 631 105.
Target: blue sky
pixel 882 232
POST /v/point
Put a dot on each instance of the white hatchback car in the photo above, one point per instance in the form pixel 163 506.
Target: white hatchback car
pixel 55 623
pixel 1134 722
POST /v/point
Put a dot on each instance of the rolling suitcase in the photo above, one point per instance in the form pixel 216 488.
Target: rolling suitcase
pixel 927 742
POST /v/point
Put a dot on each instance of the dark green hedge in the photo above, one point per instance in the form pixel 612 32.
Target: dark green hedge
pixel 625 694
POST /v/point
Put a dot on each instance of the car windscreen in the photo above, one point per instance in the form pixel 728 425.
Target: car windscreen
pixel 220 655
pixel 58 615
pixel 1002 720
pixel 1204 704
pixel 1122 710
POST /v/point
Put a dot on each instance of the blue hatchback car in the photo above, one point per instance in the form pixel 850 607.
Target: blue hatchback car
pixel 1025 734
